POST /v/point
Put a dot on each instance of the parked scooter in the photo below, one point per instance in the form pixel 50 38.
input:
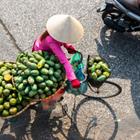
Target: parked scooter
pixel 121 15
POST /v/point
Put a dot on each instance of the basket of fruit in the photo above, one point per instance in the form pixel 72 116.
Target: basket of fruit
pixel 11 102
pixel 98 70
pixel 33 78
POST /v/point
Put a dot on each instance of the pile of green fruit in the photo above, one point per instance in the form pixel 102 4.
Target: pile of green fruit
pixel 10 100
pixel 38 75
pixel 98 69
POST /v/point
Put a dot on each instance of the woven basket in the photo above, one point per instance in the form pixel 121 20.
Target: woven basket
pixel 93 82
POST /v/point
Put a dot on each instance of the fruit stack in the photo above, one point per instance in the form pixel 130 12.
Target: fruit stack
pixel 9 99
pixel 39 75
pixel 98 70
pixel 35 75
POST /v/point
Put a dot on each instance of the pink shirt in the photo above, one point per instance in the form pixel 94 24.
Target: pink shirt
pixel 51 45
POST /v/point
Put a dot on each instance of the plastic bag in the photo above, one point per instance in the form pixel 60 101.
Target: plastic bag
pixel 78 66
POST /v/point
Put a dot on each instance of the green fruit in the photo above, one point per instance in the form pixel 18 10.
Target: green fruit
pixel 39 79
pixel 57 66
pixel 21 86
pixel 21 66
pixel 98 66
pixel 1 90
pixel 1 100
pixel 59 71
pixel 3 83
pixel 46 89
pixel 45 77
pixel 6 92
pixel 14 66
pixel 5 113
pixel 50 72
pixel 46 66
pixel 13 101
pixel 34 87
pixel 1 63
pixel 101 78
pixel 90 62
pixel 53 58
pixel 40 91
pixel 44 71
pixel 34 72
pixel 2 69
pixel 30 65
pixel 56 74
pixel 49 83
pixel 25 82
pixel 14 95
pixel 93 68
pixel 9 86
pixel 53 79
pixel 14 72
pixel 105 67
pixel 33 60
pixel 27 72
pixel 1 108
pixel 32 93
pixel 9 65
pixel 19 72
pixel 37 56
pixel 31 80
pixel 42 85
pixel 9 97
pixel 98 72
pixel 107 74
pixel 98 58
pixel 13 110
pixel 27 89
pixel 19 79
pixel 6 72
pixel 41 63
pixel 6 105
pixel 50 63
pixel 94 76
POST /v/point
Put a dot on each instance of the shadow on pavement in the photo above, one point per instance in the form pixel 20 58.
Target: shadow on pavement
pixel 122 52
pixel 19 125
pixel 7 137
pixel 107 130
pixel 46 128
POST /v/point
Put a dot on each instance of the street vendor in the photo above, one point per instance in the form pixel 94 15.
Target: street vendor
pixel 61 30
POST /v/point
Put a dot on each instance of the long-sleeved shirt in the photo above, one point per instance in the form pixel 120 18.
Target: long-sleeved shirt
pixel 51 45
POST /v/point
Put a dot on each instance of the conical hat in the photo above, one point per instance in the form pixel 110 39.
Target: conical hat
pixel 65 28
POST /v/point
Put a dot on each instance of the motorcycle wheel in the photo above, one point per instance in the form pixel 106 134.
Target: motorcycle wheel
pixel 111 19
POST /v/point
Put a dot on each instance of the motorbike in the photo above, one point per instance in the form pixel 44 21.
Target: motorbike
pixel 121 15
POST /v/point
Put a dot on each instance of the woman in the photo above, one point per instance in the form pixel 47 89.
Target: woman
pixel 60 31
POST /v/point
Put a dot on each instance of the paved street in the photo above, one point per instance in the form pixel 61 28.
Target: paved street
pixel 116 118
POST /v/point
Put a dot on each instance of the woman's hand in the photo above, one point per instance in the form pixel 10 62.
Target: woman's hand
pixel 75 83
pixel 70 48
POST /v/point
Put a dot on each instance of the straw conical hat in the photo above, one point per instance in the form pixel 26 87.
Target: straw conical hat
pixel 65 28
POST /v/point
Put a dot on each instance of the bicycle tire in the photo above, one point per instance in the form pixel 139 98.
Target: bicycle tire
pixel 99 112
pixel 104 95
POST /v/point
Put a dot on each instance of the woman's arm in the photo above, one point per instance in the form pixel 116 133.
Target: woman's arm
pixel 70 48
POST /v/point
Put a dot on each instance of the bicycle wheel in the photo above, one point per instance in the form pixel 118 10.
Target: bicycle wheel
pixel 107 90
pixel 91 115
